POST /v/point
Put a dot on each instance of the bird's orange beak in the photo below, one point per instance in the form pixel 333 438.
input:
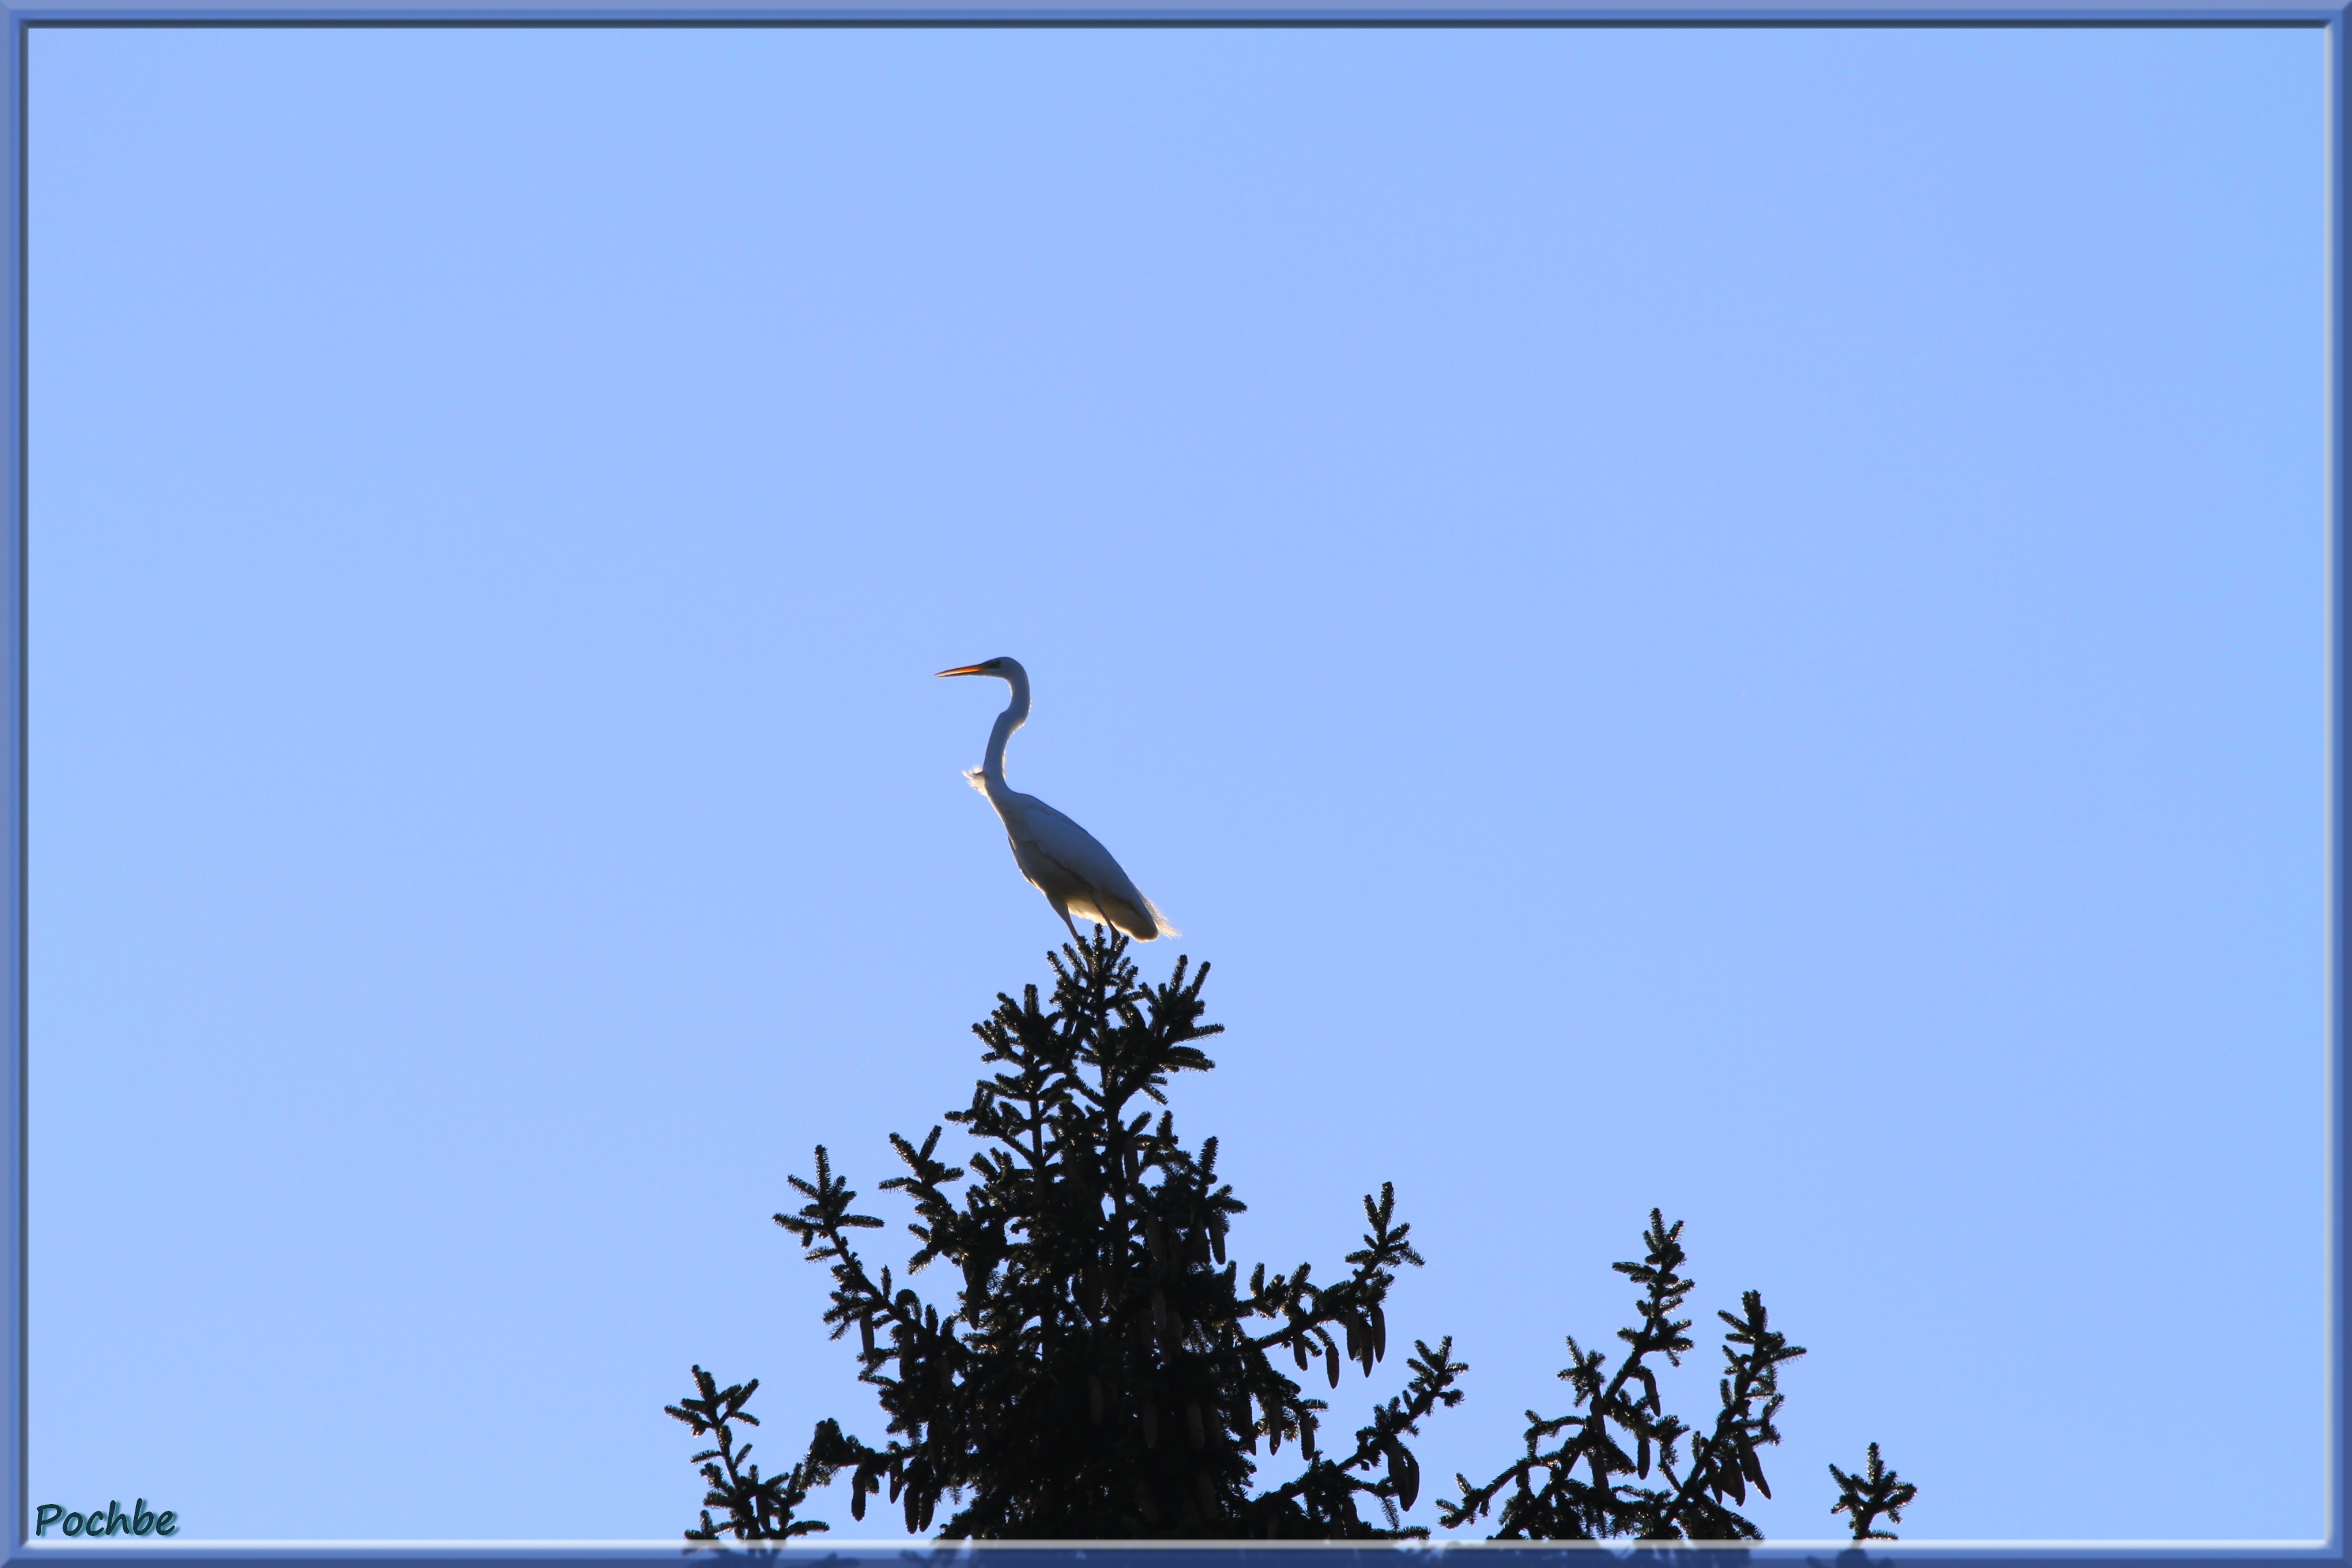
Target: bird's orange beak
pixel 967 669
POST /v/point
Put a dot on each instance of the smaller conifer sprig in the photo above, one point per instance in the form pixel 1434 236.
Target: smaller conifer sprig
pixel 1587 1487
pixel 1876 1491
pixel 755 1508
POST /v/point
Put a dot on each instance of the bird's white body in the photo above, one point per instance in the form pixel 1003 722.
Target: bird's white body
pixel 1061 859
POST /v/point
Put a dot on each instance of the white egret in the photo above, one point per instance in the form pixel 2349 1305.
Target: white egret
pixel 1061 859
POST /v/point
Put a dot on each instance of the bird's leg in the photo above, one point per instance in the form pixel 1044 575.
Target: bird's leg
pixel 1079 942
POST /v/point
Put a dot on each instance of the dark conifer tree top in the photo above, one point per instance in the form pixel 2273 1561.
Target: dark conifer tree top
pixel 1102 1371
pixel 1096 1369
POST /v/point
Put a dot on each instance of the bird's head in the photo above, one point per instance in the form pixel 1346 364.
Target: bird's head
pixel 1008 669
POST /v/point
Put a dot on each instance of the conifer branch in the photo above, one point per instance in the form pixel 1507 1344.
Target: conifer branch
pixel 755 1508
pixel 1550 1499
pixel 1864 1497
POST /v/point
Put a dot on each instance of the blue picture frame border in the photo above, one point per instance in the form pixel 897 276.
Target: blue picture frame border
pixel 19 23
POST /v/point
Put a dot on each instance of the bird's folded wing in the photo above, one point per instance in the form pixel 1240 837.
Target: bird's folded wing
pixel 1074 849
pixel 1080 857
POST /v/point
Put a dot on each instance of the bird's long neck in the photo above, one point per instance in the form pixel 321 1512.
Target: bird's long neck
pixel 1016 713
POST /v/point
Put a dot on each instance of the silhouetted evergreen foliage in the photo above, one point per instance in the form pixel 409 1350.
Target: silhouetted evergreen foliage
pixel 757 1508
pixel 1101 1372
pixel 1548 1500
pixel 1863 1497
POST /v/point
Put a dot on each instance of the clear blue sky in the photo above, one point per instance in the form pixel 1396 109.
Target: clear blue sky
pixel 1727 620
